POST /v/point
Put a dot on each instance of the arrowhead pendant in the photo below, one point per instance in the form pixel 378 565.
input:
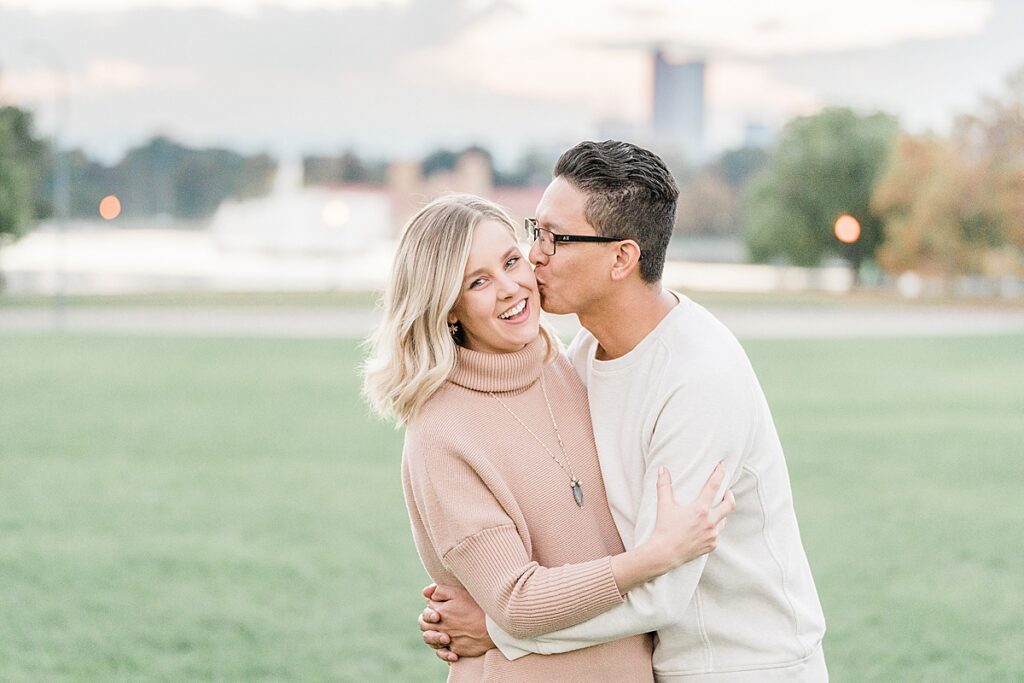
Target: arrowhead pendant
pixel 577 492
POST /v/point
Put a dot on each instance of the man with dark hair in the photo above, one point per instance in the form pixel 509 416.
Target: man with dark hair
pixel 630 193
pixel 669 387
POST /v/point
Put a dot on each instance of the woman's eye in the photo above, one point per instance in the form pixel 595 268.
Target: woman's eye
pixel 476 283
pixel 512 261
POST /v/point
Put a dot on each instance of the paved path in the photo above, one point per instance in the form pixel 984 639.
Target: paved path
pixel 323 322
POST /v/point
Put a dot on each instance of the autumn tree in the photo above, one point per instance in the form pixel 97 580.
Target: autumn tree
pixel 937 216
pixel 994 137
pixel 954 207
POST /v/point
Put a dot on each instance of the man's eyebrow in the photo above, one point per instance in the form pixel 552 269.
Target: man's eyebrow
pixel 481 271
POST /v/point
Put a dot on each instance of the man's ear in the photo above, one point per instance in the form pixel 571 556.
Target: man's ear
pixel 627 260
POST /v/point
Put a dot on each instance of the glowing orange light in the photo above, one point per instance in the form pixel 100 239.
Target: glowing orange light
pixel 847 229
pixel 110 207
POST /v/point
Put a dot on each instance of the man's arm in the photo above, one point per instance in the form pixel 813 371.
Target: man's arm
pixel 463 631
pixel 695 429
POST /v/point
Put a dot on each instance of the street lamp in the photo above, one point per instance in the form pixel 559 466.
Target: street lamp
pixel 62 116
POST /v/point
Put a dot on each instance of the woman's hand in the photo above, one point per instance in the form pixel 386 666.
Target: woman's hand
pixel 681 532
pixel 685 532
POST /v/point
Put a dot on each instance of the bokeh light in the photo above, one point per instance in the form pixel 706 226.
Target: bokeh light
pixel 110 207
pixel 336 213
pixel 847 229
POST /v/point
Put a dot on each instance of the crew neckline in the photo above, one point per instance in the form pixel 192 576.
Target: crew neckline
pixel 626 360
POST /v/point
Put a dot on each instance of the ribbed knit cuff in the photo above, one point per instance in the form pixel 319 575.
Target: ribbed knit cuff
pixel 532 600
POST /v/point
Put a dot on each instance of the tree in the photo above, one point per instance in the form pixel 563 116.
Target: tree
pixel 439 160
pixel 956 206
pixel 739 165
pixel 348 167
pixel 825 166
pixel 21 172
pixel 937 209
pixel 165 177
pixel 707 205
pixel 709 197
pixel 533 168
pixel 994 137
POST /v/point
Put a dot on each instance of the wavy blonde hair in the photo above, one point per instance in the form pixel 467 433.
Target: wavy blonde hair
pixel 412 352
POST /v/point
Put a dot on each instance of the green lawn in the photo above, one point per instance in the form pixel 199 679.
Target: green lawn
pixel 213 509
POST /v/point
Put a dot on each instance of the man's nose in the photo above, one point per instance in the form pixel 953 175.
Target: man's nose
pixel 537 256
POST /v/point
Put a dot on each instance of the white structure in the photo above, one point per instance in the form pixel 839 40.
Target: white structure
pixel 296 238
pixel 297 219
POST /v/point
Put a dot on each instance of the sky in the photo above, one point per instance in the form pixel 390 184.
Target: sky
pixel 401 77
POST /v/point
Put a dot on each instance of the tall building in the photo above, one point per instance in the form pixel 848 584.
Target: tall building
pixel 677 117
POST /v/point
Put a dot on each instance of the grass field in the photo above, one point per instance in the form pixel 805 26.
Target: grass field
pixel 214 509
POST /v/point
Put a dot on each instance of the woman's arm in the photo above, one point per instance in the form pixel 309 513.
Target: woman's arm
pixel 523 597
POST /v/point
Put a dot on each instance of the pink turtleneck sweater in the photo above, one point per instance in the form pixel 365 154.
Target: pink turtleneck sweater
pixel 492 511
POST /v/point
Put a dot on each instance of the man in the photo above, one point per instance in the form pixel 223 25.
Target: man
pixel 669 387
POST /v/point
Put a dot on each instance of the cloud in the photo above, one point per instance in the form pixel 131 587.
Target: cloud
pixel 97 77
pixel 277 77
pixel 399 76
pixel 757 28
pixel 232 6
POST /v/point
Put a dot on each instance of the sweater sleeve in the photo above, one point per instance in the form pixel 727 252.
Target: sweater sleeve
pixel 465 511
pixel 694 430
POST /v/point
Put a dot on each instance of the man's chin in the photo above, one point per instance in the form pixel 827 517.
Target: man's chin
pixel 555 309
pixel 550 307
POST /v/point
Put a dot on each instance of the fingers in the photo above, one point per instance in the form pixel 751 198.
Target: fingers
pixel 665 496
pixel 707 494
pixel 428 619
pixel 721 511
pixel 428 590
pixel 446 655
pixel 442 593
pixel 436 639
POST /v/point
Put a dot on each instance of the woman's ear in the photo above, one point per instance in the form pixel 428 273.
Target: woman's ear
pixel 627 259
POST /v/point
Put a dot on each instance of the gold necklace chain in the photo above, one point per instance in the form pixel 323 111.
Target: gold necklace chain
pixel 574 483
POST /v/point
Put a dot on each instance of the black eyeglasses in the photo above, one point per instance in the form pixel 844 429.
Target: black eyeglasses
pixel 548 239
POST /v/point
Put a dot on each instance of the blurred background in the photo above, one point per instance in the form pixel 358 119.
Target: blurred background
pixel 199 200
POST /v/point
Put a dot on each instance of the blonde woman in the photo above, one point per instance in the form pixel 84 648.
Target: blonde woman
pixel 499 467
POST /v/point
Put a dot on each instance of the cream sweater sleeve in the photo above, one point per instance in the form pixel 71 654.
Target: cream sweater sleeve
pixel 692 432
pixel 476 539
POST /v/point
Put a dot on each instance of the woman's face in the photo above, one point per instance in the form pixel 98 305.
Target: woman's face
pixel 498 307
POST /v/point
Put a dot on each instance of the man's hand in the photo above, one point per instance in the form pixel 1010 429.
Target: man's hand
pixel 453 624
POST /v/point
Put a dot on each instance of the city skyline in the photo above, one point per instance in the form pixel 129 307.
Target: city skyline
pixel 400 78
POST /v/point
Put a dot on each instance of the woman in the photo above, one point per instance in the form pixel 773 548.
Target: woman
pixel 500 470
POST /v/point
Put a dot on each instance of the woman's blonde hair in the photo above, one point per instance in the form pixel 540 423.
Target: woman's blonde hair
pixel 412 352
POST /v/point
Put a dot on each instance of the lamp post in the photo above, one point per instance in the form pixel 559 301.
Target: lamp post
pixel 61 181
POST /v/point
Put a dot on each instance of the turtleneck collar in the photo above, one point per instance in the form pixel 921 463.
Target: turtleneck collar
pixel 499 372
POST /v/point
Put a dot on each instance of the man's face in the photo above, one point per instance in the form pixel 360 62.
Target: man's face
pixel 578 273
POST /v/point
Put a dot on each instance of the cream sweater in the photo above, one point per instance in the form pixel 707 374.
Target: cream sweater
pixel 686 397
pixel 492 511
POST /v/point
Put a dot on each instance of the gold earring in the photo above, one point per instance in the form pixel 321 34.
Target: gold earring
pixel 453 329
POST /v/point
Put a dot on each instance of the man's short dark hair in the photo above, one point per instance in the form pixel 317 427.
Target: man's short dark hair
pixel 630 194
